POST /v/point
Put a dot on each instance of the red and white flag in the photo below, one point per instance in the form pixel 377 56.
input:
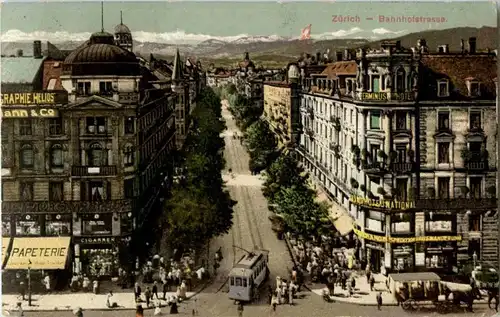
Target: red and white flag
pixel 306 33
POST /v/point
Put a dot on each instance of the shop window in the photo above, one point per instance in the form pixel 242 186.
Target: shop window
pixel 443 152
pixel 401 223
pixel 99 262
pixel 83 88
pixel 129 125
pixel 475 120
pixel 26 191
pixel 443 120
pixel 97 224
pixel 375 120
pixel 475 187
pixel 475 222
pixel 6 226
pixel 56 191
pixel 96 156
pixel 96 125
pixel 55 126
pixel 25 127
pixel 128 158
pixel 58 225
pixel 28 225
pixel 403 257
pixel 443 187
pixel 401 120
pixel 56 156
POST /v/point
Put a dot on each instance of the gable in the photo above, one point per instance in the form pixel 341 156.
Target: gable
pixel 95 103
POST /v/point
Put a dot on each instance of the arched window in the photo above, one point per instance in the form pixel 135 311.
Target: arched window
pixel 56 155
pixel 27 156
pixel 96 155
pixel 400 80
pixel 128 158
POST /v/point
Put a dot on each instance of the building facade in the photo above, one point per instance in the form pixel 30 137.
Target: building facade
pixel 92 167
pixel 372 139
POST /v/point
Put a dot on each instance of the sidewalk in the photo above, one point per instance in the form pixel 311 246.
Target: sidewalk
pixel 87 301
pixel 363 296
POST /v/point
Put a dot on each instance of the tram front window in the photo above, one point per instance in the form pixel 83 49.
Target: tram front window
pixel 244 282
pixel 238 281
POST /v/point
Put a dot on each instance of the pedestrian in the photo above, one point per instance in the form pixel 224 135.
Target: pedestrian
pixel 379 300
pixel 137 292
pixel 240 309
pixel 19 309
pixel 139 312
pixel 290 294
pixel 78 312
pixel 148 296
pixel 154 291
pixel 22 289
pixel 46 281
pixel 110 304
pixel 274 302
pixel 372 283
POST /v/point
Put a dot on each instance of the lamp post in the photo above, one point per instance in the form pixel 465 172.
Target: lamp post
pixel 29 282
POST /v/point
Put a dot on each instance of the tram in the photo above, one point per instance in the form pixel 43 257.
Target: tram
pixel 248 275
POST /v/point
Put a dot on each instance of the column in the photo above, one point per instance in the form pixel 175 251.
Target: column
pixel 388 249
pixel 388 131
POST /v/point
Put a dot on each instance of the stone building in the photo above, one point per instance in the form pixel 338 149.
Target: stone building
pixel 90 168
pixel 123 36
pixel 372 141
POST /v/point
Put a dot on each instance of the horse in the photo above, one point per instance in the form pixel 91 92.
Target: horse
pixel 463 297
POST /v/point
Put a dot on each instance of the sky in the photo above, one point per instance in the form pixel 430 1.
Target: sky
pixel 191 21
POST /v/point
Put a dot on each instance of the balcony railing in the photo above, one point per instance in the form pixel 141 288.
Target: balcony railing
pixel 372 165
pixel 400 167
pixel 64 207
pixel 458 204
pixel 108 170
pixel 476 165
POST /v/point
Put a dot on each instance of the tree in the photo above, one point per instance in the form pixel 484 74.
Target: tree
pixel 261 144
pixel 301 213
pixel 284 172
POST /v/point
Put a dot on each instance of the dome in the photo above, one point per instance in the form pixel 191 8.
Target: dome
pixel 100 56
pixel 122 28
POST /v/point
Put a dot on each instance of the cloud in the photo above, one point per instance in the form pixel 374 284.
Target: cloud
pixel 383 31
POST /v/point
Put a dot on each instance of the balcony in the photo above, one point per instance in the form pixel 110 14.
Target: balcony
pixel 399 167
pixel 457 204
pixel 476 166
pixel 79 171
pixel 65 207
pixel 372 167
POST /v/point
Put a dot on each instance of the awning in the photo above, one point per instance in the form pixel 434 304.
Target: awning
pixel 342 221
pixel 5 247
pixel 47 253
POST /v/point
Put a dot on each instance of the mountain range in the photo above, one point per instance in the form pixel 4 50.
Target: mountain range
pixel 277 46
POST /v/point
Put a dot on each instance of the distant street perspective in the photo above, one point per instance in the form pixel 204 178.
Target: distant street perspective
pixel 220 159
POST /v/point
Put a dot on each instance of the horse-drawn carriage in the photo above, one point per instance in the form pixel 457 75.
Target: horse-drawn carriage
pixel 416 290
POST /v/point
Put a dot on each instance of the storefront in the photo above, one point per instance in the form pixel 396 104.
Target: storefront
pixel 28 225
pixel 58 225
pixel 375 253
pixel 97 256
pixel 403 257
pixel 440 255
pixel 97 224
pixel 403 224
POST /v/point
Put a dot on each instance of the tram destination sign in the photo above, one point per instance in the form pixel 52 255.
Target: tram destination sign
pixel 34 98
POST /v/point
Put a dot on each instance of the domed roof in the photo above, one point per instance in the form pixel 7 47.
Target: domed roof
pixel 101 50
pixel 122 28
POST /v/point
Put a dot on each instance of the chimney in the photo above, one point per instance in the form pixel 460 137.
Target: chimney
pixel 339 56
pixel 462 46
pixel 472 45
pixel 19 53
pixel 37 49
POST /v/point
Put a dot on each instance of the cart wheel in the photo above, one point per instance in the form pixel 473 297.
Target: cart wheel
pixel 406 305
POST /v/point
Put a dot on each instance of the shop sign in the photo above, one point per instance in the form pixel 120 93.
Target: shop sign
pixel 395 240
pixel 384 204
pixel 30 113
pixel 34 98
pixel 96 240
pixel 39 253
pixel 385 96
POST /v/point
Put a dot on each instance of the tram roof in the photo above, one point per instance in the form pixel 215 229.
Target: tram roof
pixel 417 276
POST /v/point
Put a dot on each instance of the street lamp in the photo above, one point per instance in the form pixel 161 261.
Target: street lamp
pixel 29 282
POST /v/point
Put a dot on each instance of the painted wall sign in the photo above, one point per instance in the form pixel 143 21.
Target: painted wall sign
pixel 385 96
pixel 48 253
pixel 34 98
pixel 389 239
pixel 30 113
pixel 386 204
